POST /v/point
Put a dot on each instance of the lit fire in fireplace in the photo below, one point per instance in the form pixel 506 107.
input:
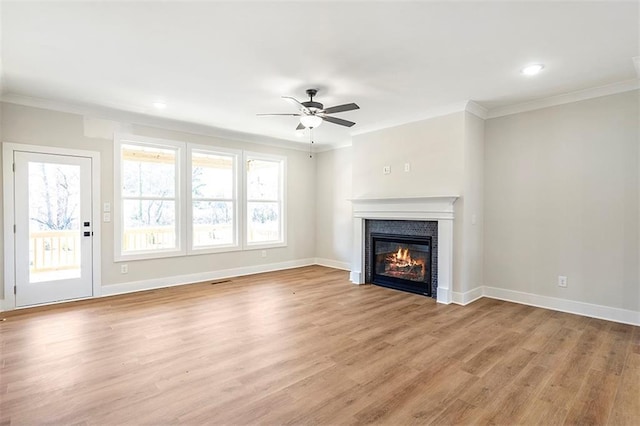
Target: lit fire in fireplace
pixel 400 263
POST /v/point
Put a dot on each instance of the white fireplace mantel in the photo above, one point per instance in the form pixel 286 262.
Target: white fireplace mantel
pixel 438 209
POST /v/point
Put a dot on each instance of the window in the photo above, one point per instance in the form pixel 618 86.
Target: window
pixel 175 199
pixel 214 206
pixel 149 203
pixel 265 213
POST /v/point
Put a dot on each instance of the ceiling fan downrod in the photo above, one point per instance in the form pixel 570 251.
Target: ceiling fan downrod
pixel 311 105
pixel 311 93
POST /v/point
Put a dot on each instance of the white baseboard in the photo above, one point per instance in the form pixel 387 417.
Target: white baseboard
pixel 467 297
pixel 336 264
pixel 176 280
pixel 355 277
pixel 444 295
pixel 564 305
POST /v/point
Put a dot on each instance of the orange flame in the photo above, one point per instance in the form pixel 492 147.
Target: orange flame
pixel 403 255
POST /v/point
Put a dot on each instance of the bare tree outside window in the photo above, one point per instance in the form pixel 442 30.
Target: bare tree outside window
pixel 54 220
pixel 148 192
pixel 54 196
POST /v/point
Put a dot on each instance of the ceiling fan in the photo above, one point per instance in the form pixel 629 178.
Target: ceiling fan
pixel 313 113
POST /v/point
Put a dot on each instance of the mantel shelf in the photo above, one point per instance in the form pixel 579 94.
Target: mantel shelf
pixel 438 198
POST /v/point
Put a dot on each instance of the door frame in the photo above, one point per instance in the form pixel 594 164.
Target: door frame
pixel 8 149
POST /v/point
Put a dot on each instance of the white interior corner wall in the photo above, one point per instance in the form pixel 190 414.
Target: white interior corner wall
pixel 472 208
pixel 36 126
pixel 333 212
pixel 562 198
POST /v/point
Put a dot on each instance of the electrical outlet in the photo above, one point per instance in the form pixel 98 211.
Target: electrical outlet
pixel 386 170
pixel 263 253
pixel 124 269
pixel 562 281
pixel 407 167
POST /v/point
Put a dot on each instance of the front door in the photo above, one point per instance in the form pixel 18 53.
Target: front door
pixel 53 247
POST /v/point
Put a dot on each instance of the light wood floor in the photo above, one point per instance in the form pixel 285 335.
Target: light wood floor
pixel 305 346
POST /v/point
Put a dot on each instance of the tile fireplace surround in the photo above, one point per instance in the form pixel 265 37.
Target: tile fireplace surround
pixel 438 209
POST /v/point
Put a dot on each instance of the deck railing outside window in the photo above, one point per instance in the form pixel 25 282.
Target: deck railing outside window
pixel 60 250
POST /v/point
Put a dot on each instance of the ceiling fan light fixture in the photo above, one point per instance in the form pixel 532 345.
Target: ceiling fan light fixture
pixel 310 121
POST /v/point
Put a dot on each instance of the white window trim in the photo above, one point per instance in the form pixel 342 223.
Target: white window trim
pixel 180 214
pixel 283 205
pixel 239 205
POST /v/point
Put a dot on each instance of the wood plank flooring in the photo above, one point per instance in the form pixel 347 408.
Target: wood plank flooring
pixel 305 346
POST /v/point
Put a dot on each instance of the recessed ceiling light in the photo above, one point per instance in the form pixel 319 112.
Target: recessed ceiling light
pixel 160 105
pixel 532 69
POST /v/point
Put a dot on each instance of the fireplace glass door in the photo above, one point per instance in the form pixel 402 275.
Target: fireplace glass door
pixel 402 262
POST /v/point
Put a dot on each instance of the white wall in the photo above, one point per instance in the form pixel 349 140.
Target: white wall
pixel 433 147
pixel 562 198
pixel 35 126
pixel 333 216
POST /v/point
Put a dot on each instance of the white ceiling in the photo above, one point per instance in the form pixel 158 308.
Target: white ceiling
pixel 220 63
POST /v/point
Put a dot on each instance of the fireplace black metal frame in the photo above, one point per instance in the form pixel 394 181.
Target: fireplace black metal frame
pixel 423 288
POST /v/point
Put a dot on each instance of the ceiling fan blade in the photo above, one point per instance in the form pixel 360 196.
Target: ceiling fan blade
pixel 300 127
pixel 341 108
pixel 295 115
pixel 339 121
pixel 298 104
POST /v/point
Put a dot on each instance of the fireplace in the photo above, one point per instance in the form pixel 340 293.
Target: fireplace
pixel 402 262
pixel 439 209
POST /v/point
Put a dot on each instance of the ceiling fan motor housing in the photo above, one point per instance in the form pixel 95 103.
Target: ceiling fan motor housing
pixel 313 106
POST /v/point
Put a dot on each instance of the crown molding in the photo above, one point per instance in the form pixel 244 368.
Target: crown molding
pixel 476 109
pixel 333 146
pixel 580 95
pixel 467 105
pixel 425 115
pixel 127 117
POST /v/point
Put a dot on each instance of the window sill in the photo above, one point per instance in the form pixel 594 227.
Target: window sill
pixel 148 256
pixel 262 246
